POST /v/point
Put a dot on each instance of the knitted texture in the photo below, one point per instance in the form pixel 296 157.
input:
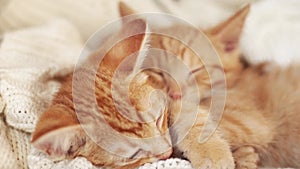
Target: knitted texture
pixel 20 144
pixel 30 60
pixel 8 157
pixel 38 160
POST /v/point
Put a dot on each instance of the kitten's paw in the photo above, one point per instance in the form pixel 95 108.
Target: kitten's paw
pixel 213 158
pixel 246 158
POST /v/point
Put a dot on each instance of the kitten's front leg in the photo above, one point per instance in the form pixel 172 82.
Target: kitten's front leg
pixel 246 158
pixel 215 153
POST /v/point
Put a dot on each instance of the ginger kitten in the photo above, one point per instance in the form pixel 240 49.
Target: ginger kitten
pixel 260 123
pixel 216 151
pixel 60 133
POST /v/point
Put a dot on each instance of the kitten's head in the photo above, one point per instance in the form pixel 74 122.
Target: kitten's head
pixel 224 38
pixel 60 134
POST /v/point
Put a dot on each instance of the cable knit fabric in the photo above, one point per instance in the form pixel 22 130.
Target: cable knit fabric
pixel 30 60
pixel 8 157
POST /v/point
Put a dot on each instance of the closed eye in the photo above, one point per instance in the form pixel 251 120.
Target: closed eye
pixel 158 75
pixel 156 78
pixel 204 77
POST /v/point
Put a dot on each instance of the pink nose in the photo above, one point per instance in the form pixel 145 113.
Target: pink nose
pixel 175 95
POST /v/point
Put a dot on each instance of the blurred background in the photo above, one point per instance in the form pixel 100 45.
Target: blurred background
pixel 90 15
pixel 274 24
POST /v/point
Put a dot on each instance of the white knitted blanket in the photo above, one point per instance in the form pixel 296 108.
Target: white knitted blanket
pixel 30 59
pixel 36 47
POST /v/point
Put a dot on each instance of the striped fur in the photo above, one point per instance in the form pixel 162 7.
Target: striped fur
pixel 61 133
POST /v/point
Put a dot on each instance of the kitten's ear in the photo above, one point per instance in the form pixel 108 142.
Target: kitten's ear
pixel 60 143
pixel 58 132
pixel 125 10
pixel 135 41
pixel 229 31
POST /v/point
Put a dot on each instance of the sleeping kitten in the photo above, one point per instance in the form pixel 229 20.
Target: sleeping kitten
pixel 61 133
pixel 260 121
pixel 215 152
